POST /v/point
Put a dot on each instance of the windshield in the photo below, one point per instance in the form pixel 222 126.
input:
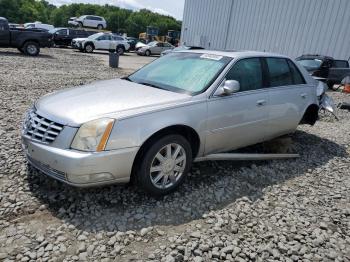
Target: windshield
pixel 310 63
pixel 188 73
pixel 152 43
pixel 52 31
pixel 95 36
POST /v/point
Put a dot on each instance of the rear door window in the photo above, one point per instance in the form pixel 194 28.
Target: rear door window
pixel 248 72
pixel 279 72
pixel 298 78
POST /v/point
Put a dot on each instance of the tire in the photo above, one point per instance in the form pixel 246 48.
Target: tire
pixel 170 174
pixel 120 50
pixel 21 50
pixel 148 53
pixel 80 24
pixel 89 48
pixel 31 48
pixel 100 27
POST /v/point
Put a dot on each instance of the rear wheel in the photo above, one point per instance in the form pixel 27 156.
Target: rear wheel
pixel 164 165
pixel 31 48
pixel 100 27
pixel 89 48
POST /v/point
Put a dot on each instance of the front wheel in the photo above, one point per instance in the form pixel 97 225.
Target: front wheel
pixel 89 48
pixel 31 48
pixel 165 165
pixel 148 53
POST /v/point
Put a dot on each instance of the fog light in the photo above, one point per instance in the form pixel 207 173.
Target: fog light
pixel 90 178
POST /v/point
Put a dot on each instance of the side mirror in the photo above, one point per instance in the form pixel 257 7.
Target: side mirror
pixel 230 87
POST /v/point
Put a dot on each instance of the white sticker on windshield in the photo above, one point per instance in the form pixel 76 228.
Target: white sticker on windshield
pixel 211 56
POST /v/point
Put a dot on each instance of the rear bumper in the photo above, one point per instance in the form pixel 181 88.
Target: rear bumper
pixel 81 169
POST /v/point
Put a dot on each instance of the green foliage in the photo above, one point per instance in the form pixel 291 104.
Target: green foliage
pixel 118 19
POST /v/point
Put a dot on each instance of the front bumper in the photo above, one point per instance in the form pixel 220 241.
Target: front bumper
pixel 77 45
pixel 141 52
pixel 81 169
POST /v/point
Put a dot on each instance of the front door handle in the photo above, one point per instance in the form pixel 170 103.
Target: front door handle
pixel 303 95
pixel 260 102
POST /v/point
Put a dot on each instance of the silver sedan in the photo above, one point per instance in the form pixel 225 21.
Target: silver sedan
pixel 151 125
pixel 154 48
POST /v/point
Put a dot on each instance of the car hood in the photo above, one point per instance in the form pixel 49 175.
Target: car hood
pixel 116 98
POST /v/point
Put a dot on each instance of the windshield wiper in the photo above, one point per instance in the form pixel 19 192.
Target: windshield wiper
pixel 127 79
pixel 151 85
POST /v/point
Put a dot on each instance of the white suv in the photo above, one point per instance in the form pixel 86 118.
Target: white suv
pixel 90 21
pixel 102 41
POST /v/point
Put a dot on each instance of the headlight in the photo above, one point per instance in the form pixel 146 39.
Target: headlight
pixel 93 136
pixel 321 88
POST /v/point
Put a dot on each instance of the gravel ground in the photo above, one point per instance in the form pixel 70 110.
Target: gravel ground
pixel 291 210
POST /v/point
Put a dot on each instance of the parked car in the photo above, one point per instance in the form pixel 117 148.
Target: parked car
pixel 38 25
pixel 72 21
pixel 89 21
pixel 101 41
pixel 151 125
pixel 181 48
pixel 26 41
pixel 325 68
pixel 154 48
pixel 64 36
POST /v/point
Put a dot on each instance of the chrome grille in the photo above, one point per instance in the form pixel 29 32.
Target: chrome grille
pixel 40 129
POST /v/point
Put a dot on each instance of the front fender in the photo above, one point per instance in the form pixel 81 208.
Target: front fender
pixel 134 131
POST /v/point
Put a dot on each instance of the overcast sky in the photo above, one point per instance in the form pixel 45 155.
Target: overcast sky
pixel 167 7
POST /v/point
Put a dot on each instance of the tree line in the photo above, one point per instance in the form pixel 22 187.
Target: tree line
pixel 118 19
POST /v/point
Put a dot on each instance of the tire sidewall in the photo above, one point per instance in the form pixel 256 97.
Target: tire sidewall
pixel 148 53
pixel 92 48
pixel 100 27
pixel 143 174
pixel 26 46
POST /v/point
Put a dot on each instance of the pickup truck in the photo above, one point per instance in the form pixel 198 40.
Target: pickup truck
pixel 25 40
pixel 325 68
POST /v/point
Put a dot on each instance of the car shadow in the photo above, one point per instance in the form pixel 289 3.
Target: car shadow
pixel 213 185
pixel 16 54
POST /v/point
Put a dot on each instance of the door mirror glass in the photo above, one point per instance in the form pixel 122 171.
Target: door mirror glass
pixel 230 87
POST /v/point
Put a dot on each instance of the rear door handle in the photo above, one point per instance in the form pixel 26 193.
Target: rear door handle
pixel 303 95
pixel 260 102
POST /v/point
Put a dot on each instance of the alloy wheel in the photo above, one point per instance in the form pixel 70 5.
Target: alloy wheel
pixel 168 166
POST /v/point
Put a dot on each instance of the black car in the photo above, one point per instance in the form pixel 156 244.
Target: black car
pixel 26 41
pixel 325 68
pixel 64 36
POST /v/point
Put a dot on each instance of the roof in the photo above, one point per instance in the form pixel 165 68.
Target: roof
pixel 234 54
pixel 316 56
pixel 3 18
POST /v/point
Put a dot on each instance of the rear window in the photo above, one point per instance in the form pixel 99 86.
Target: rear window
pixel 298 78
pixel 340 64
pixel 279 73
